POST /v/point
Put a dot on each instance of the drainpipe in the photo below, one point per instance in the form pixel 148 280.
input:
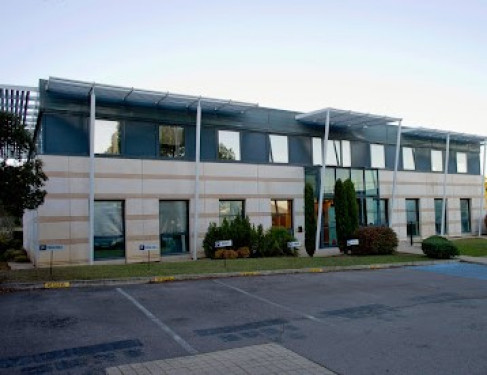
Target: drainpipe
pixel 197 180
pixel 482 189
pixel 91 201
pixel 445 173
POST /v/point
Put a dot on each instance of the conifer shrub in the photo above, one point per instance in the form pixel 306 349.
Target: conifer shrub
pixel 309 219
pixel 439 247
pixel 374 241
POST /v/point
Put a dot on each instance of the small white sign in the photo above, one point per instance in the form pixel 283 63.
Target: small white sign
pixel 148 246
pixel 352 242
pixel 51 247
pixel 294 244
pixel 224 243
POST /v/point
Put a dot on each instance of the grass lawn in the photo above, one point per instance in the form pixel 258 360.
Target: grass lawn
pixel 198 267
pixel 475 247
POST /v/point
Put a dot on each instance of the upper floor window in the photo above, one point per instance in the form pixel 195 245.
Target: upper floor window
pixel 278 151
pixel 171 141
pixel 461 162
pixel 436 161
pixel 317 151
pixel 408 162
pixel 377 156
pixel 338 153
pixel 107 137
pixel 228 145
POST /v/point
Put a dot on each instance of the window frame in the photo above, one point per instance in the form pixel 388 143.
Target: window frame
pixel 438 224
pixel 124 233
pixel 99 122
pixel 464 154
pixel 373 161
pixel 271 155
pixel 469 216
pixel 290 206
pixel 439 154
pixel 417 226
pixel 404 159
pixel 185 243
pixel 222 217
pixel 239 140
pixel 183 138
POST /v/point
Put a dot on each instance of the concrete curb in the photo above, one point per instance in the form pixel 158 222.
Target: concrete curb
pixel 205 276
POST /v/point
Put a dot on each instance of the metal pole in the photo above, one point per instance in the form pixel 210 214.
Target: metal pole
pixel 482 189
pixel 394 175
pixel 324 149
pixel 91 202
pixel 445 173
pixel 197 180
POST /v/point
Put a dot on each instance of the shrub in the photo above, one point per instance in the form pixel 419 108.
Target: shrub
pixel 218 254
pixel 243 252
pixel 275 243
pixel 439 247
pixel 374 241
pixel 309 219
pixel 15 255
pixel 212 235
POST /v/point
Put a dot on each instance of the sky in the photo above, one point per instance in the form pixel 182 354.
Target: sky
pixel 422 61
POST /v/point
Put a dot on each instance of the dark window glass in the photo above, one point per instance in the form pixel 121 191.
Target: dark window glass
pixel 384 211
pixel 107 137
pixel 358 180
pixel 465 215
pixel 412 216
pixel 438 210
pixel 173 227
pixel 171 141
pixel 371 182
pixel 109 236
pixel 282 214
pixel 230 210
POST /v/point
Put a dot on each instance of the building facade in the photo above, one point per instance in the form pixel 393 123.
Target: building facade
pixel 134 171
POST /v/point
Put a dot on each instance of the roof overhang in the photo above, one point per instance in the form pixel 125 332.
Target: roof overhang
pixel 137 97
pixel 22 101
pixel 344 118
pixel 442 134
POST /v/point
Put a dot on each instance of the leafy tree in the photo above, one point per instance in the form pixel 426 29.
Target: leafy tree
pixel 309 219
pixel 21 178
pixel 225 153
pixel 351 196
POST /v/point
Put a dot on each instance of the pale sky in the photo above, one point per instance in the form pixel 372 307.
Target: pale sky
pixel 424 61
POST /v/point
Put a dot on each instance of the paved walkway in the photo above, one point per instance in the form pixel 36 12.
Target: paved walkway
pixel 249 360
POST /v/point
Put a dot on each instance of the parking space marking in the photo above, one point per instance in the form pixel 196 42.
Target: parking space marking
pixel 265 300
pixel 160 324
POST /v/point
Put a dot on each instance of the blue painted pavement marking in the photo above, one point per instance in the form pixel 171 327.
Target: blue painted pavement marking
pixel 470 271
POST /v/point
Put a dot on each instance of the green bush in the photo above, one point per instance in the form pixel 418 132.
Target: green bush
pixel 243 252
pixel 275 243
pixel 309 219
pixel 374 241
pixel 439 247
pixel 15 255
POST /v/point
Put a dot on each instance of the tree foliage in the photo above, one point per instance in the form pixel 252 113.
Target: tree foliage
pixel 346 211
pixel 309 219
pixel 21 179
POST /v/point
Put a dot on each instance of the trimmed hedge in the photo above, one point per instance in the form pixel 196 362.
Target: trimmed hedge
pixel 439 247
pixel 374 241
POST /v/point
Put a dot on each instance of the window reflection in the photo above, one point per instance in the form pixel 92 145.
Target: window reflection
pixel 377 156
pixel 109 234
pixel 171 141
pixel 228 145
pixel 461 162
pixel 278 151
pixel 408 162
pixel 282 212
pixel 436 161
pixel 173 226
pixel 229 210
pixel 107 137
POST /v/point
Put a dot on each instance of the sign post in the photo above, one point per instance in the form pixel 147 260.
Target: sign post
pixel 52 248
pixel 223 243
pixel 148 248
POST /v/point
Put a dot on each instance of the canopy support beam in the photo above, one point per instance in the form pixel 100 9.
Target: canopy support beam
pixel 91 202
pixel 197 181
pixel 394 175
pixel 322 179
pixel 482 189
pixel 445 173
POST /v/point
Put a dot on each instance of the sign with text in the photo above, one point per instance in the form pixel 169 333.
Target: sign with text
pixel 352 242
pixel 294 244
pixel 148 246
pixel 224 243
pixel 51 247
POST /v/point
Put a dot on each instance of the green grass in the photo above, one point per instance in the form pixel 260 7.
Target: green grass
pixel 199 267
pixel 475 247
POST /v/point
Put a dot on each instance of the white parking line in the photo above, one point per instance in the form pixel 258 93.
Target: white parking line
pixel 265 300
pixel 160 324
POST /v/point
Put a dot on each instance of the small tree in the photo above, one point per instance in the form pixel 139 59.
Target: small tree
pixel 351 197
pixel 309 219
pixel 341 214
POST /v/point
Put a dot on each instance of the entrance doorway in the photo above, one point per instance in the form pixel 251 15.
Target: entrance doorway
pixel 328 232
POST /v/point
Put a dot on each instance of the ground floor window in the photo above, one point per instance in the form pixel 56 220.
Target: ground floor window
pixel 412 217
pixel 375 212
pixel 438 210
pixel 109 235
pixel 282 214
pixel 231 209
pixel 465 215
pixel 173 227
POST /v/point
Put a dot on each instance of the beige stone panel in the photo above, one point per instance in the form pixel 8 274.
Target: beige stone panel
pixel 168 167
pixel 141 227
pixel 230 170
pixel 55 163
pixel 78 185
pixel 252 205
pixel 281 190
pixel 57 185
pixel 117 186
pixel 284 172
pixel 53 231
pixel 211 206
pixel 118 166
pixel 237 189
pixel 165 187
pixel 79 164
pixel 133 206
pixel 79 253
pixel 150 206
pixel 54 207
pixel 79 207
pixel 79 229
pixel 134 255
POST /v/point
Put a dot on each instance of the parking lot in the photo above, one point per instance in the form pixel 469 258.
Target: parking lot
pixel 417 320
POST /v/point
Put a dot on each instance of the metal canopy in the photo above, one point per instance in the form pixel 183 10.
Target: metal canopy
pixel 145 98
pixel 344 118
pixel 21 101
pixel 442 134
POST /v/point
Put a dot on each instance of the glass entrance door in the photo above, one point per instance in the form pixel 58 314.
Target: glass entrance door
pixel 328 232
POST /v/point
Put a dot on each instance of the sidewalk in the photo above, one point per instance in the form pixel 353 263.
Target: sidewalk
pixel 405 247
pixel 250 360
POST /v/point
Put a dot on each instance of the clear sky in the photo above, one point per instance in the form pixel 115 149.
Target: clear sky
pixel 422 60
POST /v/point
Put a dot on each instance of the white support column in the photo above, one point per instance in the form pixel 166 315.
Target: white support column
pixel 482 189
pixel 197 181
pixel 324 150
pixel 445 173
pixel 394 176
pixel 91 202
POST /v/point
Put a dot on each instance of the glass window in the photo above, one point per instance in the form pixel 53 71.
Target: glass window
pixel 408 162
pixel 109 236
pixel 384 211
pixel 171 141
pixel 371 182
pixel 332 153
pixel 317 151
pixel 278 152
pixel 377 156
pixel 436 161
pixel 342 174
pixel 465 215
pixel 376 210
pixel 412 216
pixel 357 176
pixel 173 227
pixel 346 154
pixel 461 162
pixel 282 213
pixel 231 209
pixel 329 181
pixel 228 145
pixel 107 137
pixel 438 210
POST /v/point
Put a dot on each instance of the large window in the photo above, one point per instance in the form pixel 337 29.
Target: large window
pixel 171 141
pixel 228 145
pixel 229 210
pixel 438 210
pixel 173 227
pixel 338 153
pixel 461 162
pixel 408 162
pixel 109 236
pixel 465 215
pixel 376 210
pixel 436 161
pixel 282 214
pixel 412 216
pixel 377 156
pixel 107 137
pixel 278 151
pixel 317 151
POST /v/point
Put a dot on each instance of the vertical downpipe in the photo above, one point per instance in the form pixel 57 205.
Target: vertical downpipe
pixel 197 180
pixel 91 202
